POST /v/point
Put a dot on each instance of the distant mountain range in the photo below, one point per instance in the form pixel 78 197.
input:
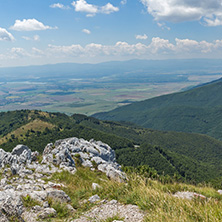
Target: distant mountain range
pixel 129 68
pixel 197 110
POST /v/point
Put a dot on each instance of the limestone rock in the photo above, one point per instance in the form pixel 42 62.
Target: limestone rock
pixel 94 199
pixel 130 213
pixel 29 173
pixel 3 218
pixel 12 206
pixel 59 195
pixel 46 213
pixel 63 151
pixel 96 186
pixel 220 192
pixel 189 195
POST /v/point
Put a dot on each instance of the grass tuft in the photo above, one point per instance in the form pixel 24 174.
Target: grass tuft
pixel 153 197
pixel 28 202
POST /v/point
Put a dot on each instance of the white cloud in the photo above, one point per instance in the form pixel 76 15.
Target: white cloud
pixel 186 44
pixel 123 2
pixel 163 26
pixel 83 6
pixel 37 52
pixel 73 50
pixel 142 37
pixel 29 25
pixel 158 48
pixel 109 8
pixel 210 11
pixel 213 21
pixel 17 52
pixel 5 35
pixel 34 38
pixel 87 31
pixel 159 45
pixel 26 38
pixel 92 10
pixel 59 5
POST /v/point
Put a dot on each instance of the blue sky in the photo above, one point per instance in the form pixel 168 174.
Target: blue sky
pixel 45 31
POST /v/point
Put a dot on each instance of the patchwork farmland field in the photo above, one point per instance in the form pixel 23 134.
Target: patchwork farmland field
pixel 88 96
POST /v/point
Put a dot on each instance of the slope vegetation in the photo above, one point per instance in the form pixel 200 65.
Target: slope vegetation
pixel 192 157
pixel 197 110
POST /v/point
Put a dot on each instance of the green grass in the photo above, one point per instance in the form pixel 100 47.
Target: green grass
pixel 153 197
pixel 111 219
pixel 28 202
pixel 61 208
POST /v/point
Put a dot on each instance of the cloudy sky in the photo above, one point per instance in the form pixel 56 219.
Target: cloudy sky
pixel 46 31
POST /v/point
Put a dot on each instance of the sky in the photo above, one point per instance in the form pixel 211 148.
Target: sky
pixel 36 32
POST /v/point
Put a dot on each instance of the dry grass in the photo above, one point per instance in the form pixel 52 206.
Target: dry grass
pixel 36 125
pixel 154 198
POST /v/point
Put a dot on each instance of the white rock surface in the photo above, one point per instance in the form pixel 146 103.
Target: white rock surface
pixel 220 192
pixel 129 213
pixel 189 195
pixel 28 182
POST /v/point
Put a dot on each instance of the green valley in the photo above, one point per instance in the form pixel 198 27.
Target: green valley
pixel 91 88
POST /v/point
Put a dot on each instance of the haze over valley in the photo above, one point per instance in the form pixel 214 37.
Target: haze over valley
pixel 93 88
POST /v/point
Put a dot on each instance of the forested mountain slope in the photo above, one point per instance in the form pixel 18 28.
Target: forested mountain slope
pixel 194 157
pixel 197 110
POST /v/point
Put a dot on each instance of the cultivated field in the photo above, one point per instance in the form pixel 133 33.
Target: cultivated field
pixel 88 96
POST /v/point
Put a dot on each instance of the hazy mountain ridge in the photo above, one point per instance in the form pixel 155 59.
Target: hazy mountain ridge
pixel 135 67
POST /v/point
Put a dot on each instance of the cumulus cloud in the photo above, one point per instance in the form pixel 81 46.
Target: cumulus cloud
pixel 17 52
pixel 37 52
pixel 163 25
pixel 109 8
pixel 87 31
pixel 83 6
pixel 34 38
pixel 92 10
pixel 210 11
pixel 158 48
pixel 5 35
pixel 30 25
pixel 59 5
pixel 73 50
pixel 142 37
pixel 123 2
pixel 159 45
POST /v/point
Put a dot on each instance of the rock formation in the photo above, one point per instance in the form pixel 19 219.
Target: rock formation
pixel 29 173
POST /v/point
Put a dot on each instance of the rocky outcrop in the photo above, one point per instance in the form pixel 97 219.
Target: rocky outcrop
pixel 93 154
pixel 189 195
pixel 108 209
pixel 22 175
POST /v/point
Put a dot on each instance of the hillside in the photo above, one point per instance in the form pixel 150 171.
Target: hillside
pixel 197 110
pixel 80 181
pixel 193 157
